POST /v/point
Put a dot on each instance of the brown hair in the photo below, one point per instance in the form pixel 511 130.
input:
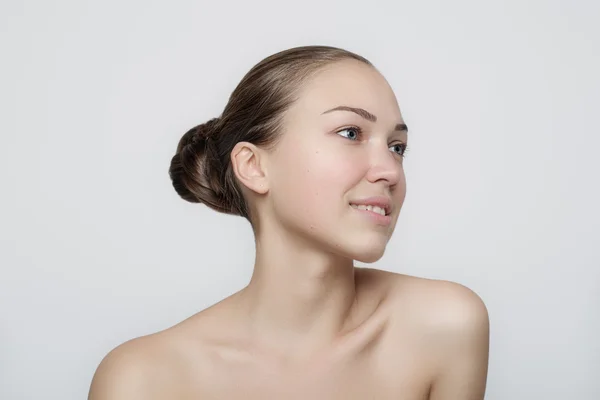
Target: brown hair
pixel 201 168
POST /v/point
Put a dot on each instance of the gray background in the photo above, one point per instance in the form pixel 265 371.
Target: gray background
pixel 501 99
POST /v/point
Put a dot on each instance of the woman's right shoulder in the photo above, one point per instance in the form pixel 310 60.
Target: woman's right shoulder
pixel 130 371
pixel 161 365
pixel 148 367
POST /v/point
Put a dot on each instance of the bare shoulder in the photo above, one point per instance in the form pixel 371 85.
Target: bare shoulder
pixel 174 363
pixel 440 305
pixel 451 323
pixel 129 371
pixel 141 368
pixel 448 306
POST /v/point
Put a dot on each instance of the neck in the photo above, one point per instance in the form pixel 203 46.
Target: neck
pixel 300 297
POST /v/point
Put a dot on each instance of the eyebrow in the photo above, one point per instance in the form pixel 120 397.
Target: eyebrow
pixel 366 115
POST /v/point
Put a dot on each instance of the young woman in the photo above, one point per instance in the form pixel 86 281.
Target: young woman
pixel 309 149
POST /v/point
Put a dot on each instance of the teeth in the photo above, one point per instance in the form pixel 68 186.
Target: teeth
pixel 375 209
pixel 379 210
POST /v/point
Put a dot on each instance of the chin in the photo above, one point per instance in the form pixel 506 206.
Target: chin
pixel 364 248
pixel 369 257
pixel 367 253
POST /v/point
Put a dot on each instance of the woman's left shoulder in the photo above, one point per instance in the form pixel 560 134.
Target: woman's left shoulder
pixel 444 324
pixel 438 304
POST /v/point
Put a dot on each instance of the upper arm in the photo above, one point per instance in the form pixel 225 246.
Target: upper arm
pixel 461 345
pixel 125 373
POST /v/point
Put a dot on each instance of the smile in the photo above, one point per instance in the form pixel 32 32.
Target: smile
pixel 375 214
pixel 375 209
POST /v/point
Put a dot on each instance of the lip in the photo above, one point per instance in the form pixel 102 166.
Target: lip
pixel 383 220
pixel 379 201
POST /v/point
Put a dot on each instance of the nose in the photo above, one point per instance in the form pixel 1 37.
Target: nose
pixel 385 166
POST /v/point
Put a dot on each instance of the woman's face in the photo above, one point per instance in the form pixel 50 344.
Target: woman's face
pixel 327 159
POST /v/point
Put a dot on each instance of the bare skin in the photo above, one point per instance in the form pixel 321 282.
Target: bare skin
pixel 310 325
pixel 411 339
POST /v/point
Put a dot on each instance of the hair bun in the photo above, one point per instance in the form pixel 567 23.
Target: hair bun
pixel 193 167
pixel 198 134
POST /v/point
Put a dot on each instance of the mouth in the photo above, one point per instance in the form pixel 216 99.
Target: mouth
pixel 376 214
pixel 381 205
pixel 384 211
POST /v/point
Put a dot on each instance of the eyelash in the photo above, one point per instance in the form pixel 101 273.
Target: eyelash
pixel 359 132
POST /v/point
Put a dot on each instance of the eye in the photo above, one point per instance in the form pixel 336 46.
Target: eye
pixel 354 132
pixel 399 148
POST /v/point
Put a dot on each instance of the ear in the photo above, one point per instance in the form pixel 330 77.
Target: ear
pixel 248 162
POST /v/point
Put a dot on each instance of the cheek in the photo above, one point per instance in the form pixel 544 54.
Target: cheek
pixel 400 192
pixel 312 184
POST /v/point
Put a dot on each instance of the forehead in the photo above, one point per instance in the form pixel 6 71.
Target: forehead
pixel 349 83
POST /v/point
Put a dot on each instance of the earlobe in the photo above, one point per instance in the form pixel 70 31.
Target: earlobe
pixel 247 161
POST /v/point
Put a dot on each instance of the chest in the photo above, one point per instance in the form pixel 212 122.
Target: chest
pixel 348 381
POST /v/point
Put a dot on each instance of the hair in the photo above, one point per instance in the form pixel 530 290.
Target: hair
pixel 201 169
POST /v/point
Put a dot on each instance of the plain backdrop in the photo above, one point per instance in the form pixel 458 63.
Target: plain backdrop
pixel 502 102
